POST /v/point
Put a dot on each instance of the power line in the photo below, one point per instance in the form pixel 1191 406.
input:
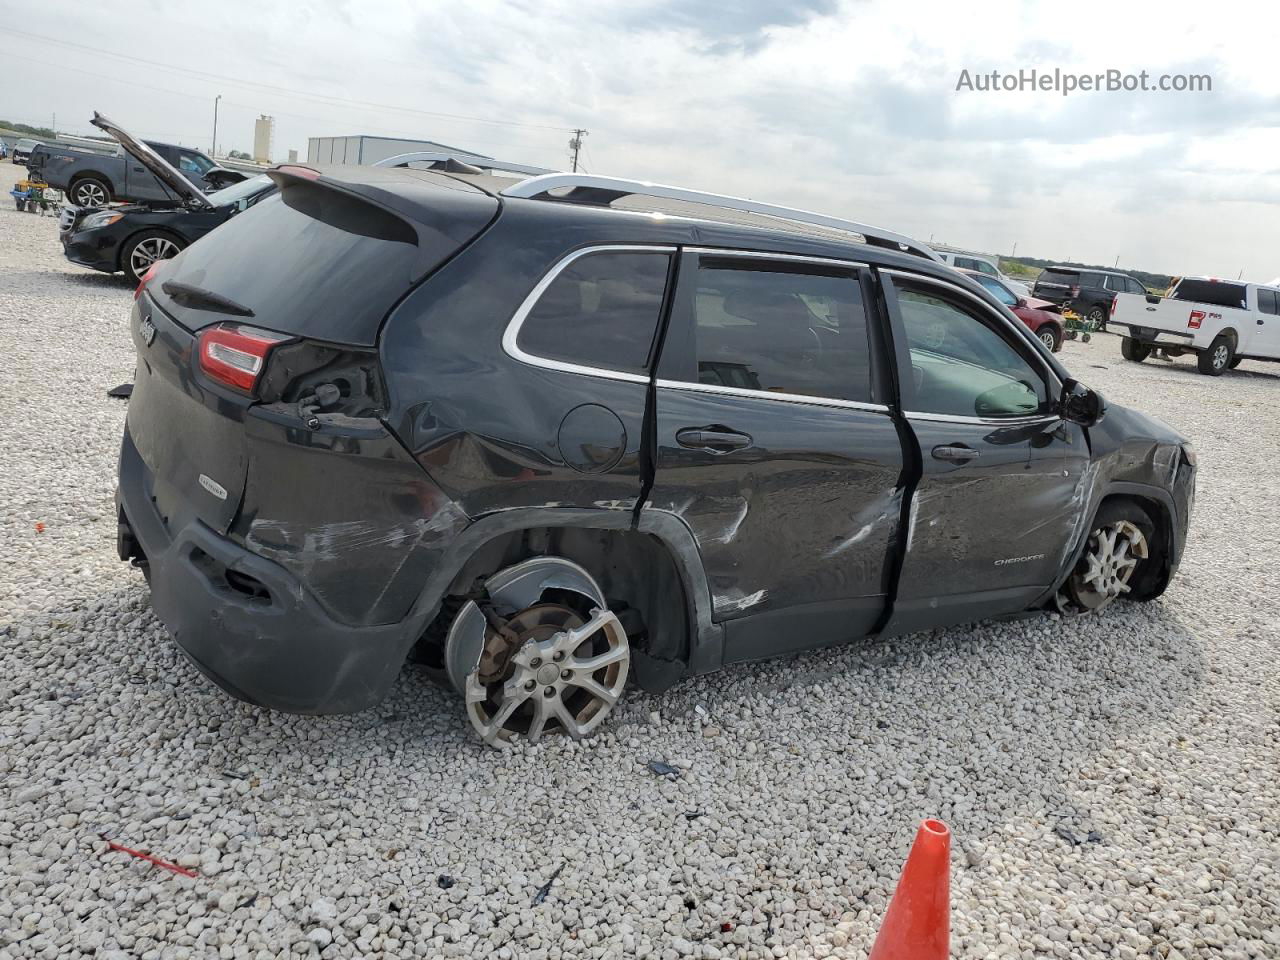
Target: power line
pixel 302 94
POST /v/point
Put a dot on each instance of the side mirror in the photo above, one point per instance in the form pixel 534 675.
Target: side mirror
pixel 1022 301
pixel 1079 404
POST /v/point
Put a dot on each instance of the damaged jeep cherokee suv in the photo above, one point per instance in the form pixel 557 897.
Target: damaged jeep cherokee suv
pixel 550 434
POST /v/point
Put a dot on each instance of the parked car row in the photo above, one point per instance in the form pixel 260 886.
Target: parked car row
pixel 546 446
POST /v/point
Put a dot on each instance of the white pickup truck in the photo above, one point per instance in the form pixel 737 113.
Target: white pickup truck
pixel 1221 321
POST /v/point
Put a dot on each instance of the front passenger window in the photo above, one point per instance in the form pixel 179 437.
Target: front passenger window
pixel 961 366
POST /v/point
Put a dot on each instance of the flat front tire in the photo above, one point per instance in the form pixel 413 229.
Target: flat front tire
pixel 1114 559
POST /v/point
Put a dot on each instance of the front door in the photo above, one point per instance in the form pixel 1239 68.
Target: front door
pixel 1003 478
pixel 775 447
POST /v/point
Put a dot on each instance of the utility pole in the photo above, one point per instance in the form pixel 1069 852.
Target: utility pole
pixel 1117 263
pixel 215 124
pixel 54 128
pixel 575 145
pixel 1014 255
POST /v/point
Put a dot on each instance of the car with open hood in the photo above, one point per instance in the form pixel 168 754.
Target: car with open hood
pixel 546 442
pixel 131 237
pixel 91 178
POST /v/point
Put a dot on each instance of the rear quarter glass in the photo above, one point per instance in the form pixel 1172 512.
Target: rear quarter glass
pixel 1059 276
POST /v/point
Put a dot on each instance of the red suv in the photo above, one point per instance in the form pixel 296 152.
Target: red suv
pixel 1042 316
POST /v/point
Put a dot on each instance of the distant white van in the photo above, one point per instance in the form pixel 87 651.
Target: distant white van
pixel 974 261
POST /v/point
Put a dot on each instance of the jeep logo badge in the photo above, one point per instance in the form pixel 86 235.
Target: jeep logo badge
pixel 217 489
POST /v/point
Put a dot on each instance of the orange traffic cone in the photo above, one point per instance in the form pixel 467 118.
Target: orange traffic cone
pixel 917 925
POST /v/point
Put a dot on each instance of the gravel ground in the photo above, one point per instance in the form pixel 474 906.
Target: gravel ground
pixel 1111 782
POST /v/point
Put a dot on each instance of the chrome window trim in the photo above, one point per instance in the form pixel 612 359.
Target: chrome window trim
pixel 511 336
pixel 983 421
pixel 802 398
pixel 1051 378
pixel 766 255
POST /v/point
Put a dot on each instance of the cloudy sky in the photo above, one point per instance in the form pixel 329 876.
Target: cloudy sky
pixel 846 107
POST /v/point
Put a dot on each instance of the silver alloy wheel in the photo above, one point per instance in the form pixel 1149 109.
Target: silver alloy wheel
pixel 1047 338
pixel 1220 356
pixel 148 251
pixel 550 671
pixel 1106 568
pixel 89 193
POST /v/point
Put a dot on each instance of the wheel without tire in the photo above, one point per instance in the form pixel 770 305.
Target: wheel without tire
pixel 145 249
pixel 1050 337
pixel 1119 545
pixel 558 664
pixel 1217 359
pixel 90 192
pixel 1134 350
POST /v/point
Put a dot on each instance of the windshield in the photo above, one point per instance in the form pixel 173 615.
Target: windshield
pixel 1211 291
pixel 997 290
pixel 240 191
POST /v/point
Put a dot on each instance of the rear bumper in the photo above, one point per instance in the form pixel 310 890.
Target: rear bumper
pixel 1173 338
pixel 247 623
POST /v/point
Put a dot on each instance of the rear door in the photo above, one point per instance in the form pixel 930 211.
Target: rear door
pixel 776 447
pixel 1266 333
pixel 999 497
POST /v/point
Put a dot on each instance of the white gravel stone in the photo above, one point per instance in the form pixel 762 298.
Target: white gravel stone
pixel 1147 736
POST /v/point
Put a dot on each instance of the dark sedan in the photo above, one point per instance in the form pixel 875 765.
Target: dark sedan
pixel 132 237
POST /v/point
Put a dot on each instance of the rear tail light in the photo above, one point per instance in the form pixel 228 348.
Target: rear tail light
pixel 1075 290
pixel 151 270
pixel 1196 318
pixel 235 355
pixel 1114 301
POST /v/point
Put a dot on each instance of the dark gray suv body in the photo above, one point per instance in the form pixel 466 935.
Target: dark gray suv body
pixel 398 410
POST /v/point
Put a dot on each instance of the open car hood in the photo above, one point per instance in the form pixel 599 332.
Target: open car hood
pixel 164 171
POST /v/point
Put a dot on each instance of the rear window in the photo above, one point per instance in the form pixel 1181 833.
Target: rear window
pixel 1209 291
pixel 312 261
pixel 1066 277
pixel 600 311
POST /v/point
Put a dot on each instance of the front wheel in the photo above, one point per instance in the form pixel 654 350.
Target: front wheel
pixel 90 192
pixel 141 252
pixel 1134 350
pixel 1215 361
pixel 1113 562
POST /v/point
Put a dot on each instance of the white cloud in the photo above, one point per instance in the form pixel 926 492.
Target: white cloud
pixel 846 107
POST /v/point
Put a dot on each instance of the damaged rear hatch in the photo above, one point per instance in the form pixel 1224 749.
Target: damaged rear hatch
pixel 256 345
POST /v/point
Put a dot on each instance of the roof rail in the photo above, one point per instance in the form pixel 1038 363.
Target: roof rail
pixel 471 159
pixel 591 188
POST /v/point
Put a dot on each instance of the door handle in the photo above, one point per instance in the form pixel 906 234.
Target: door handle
pixel 717 439
pixel 955 453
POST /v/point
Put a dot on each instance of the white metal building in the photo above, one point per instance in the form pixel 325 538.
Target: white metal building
pixel 367 150
pixel 264 132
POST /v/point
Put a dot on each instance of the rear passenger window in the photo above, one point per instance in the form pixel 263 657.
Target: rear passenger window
pixel 600 311
pixel 1268 301
pixel 803 333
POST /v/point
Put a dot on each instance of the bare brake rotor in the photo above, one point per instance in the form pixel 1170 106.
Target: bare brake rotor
pixel 1104 571
pixel 547 670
